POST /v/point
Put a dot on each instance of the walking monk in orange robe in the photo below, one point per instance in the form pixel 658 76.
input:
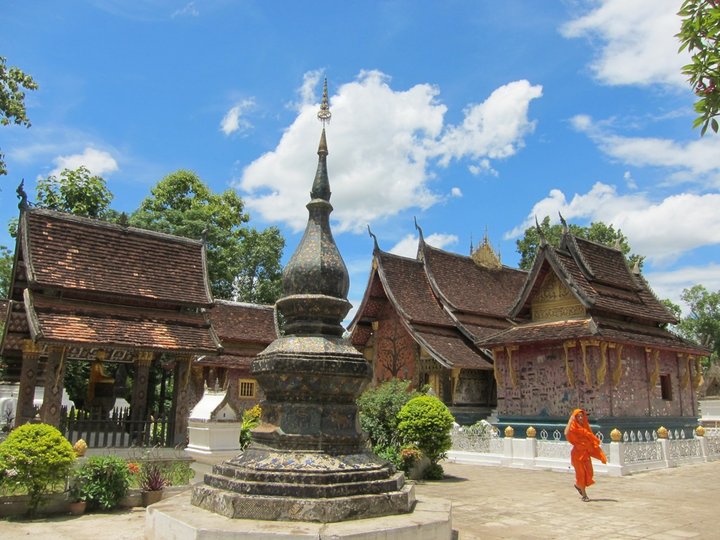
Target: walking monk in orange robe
pixel 584 446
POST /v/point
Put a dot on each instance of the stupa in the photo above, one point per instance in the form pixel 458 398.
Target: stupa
pixel 309 460
pixel 309 473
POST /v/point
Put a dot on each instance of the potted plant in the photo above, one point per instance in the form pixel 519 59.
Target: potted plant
pixel 76 494
pixel 152 483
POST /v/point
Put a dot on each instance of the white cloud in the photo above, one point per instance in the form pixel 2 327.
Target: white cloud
pixel 670 284
pixel 661 230
pixel 696 161
pixel 188 10
pixel 638 41
pixel 494 128
pixel 233 120
pixel 456 192
pixel 383 145
pixel 407 247
pixel 629 180
pixel 96 161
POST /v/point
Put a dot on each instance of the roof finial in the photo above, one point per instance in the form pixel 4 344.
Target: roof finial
pixel 324 113
pixel 23 204
pixel 565 227
pixel 541 234
pixel 471 243
pixel 375 242
pixel 420 232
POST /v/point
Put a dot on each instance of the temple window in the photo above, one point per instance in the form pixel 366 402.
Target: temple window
pixel 246 388
pixel 666 387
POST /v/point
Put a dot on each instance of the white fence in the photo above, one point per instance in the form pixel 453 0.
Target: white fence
pixel 634 451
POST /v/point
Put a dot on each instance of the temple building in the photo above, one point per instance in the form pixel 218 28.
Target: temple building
pixel 85 290
pixel 579 330
pixel 420 319
pixel 244 330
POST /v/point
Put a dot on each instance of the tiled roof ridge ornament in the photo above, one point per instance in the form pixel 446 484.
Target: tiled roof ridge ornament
pixel 541 234
pixel 316 280
pixel 485 256
pixel 566 229
pixel 23 204
pixel 376 247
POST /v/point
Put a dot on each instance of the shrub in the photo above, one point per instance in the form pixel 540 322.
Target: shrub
pixel 481 430
pixel 35 457
pixel 426 422
pixel 105 480
pixel 378 409
pixel 250 420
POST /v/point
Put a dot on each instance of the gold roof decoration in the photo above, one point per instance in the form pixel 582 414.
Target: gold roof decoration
pixel 485 255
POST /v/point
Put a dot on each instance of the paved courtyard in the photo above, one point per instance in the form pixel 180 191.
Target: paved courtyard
pixel 490 502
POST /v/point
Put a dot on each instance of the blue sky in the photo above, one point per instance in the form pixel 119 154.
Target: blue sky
pixel 471 116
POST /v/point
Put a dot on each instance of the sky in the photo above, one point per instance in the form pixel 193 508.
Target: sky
pixel 473 117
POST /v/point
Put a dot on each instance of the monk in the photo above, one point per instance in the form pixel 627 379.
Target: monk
pixel 584 446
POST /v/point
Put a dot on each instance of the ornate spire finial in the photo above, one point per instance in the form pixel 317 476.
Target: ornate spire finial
pixel 22 195
pixel 565 227
pixel 541 234
pixel 375 242
pixel 471 243
pixel 324 113
pixel 420 231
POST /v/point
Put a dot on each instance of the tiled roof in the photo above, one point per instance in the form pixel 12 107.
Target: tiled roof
pixel 472 288
pixel 600 279
pixel 229 361
pixel 246 323
pixel 606 264
pixel 452 350
pixel 617 331
pixel 405 282
pixel 67 252
pixel 66 321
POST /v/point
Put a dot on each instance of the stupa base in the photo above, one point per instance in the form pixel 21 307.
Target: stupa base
pixel 177 519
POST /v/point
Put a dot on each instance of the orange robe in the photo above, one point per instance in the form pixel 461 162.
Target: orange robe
pixel 584 446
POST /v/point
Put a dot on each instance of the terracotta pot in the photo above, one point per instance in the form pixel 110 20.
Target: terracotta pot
pixel 151 497
pixel 77 508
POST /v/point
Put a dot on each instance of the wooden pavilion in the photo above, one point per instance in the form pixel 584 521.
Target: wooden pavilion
pixel 85 290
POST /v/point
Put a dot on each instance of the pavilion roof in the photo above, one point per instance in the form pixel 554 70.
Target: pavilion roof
pixel 67 253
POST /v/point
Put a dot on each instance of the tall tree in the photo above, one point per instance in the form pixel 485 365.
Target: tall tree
pixel 13 82
pixel 699 34
pixel 184 205
pixel 703 322
pixel 598 232
pixel 76 192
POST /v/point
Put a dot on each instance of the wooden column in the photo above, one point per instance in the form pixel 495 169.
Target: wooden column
pixel 28 379
pixel 54 375
pixel 181 399
pixel 138 405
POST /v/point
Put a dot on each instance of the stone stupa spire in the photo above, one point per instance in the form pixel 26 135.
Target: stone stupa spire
pixel 316 280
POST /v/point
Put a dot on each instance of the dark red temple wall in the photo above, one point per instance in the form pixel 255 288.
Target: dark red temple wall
pixel 543 387
pixel 395 350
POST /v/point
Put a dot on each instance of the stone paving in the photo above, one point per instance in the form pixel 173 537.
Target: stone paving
pixel 491 502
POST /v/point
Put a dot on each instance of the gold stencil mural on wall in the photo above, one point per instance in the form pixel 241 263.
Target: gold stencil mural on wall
pixel 554 302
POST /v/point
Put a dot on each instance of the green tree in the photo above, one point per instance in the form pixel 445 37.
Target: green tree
pixel 703 323
pixel 13 82
pixel 598 232
pixel 699 34
pixel 184 205
pixel 6 264
pixel 76 192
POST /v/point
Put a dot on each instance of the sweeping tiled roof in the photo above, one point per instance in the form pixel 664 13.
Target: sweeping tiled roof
pixel 598 277
pixel 467 286
pixel 407 285
pixel 590 327
pixel 63 321
pixel 228 361
pixel 71 253
pixel 244 323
